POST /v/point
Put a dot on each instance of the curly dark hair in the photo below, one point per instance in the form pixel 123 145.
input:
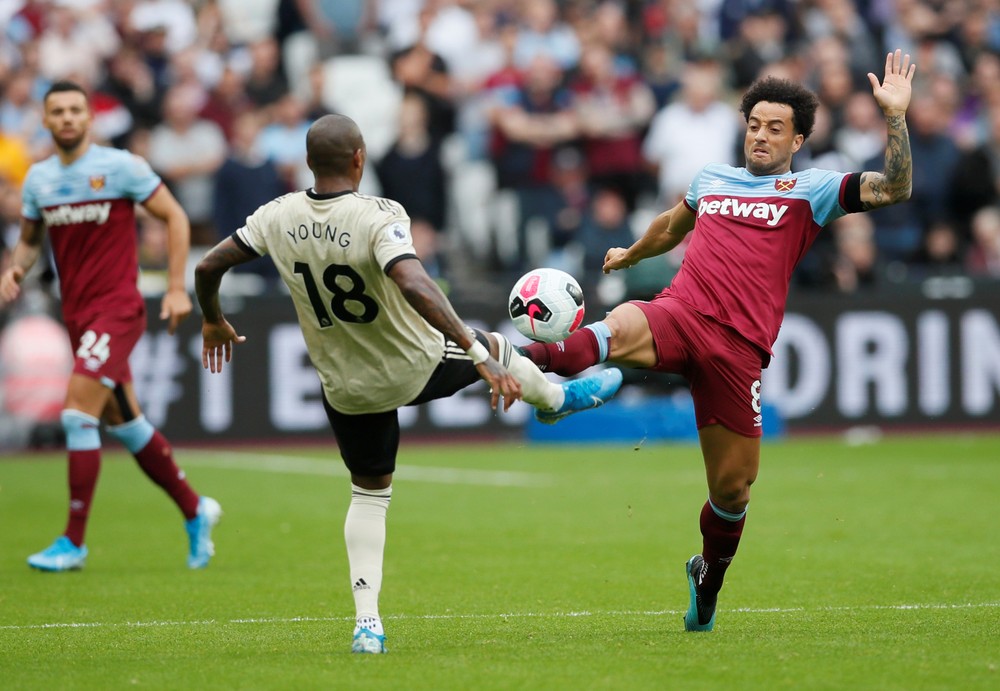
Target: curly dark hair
pixel 801 100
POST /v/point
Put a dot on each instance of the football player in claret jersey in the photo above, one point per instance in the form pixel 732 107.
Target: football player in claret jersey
pixel 84 196
pixel 715 324
pixel 379 332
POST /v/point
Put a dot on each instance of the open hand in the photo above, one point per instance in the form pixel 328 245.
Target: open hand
pixel 217 344
pixel 502 383
pixel 893 94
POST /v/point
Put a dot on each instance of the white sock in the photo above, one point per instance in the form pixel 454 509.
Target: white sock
pixel 364 533
pixel 373 624
pixel 535 388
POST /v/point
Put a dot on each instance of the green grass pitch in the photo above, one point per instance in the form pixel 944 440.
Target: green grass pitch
pixel 514 566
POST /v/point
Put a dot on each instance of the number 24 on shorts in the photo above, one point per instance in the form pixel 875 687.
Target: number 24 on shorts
pixel 94 347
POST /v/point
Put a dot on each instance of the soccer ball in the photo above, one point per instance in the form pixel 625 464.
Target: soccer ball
pixel 546 305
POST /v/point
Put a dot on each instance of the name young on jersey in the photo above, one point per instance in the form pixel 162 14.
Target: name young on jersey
pixel 317 231
pixel 771 213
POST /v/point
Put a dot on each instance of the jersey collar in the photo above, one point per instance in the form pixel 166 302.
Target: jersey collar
pixel 313 194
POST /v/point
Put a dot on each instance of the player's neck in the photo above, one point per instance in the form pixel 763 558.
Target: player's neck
pixel 68 156
pixel 334 185
pixel 765 173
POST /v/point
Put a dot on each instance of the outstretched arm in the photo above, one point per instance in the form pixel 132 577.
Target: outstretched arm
pixel 426 298
pixel 217 334
pixel 664 233
pixel 895 183
pixel 24 256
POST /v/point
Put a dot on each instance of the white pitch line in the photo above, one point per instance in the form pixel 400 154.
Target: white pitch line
pixel 501 617
pixel 296 465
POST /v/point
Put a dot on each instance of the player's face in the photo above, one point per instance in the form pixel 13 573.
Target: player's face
pixel 770 139
pixel 67 117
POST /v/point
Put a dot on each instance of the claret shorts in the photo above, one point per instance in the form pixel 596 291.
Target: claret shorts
pixel 102 344
pixel 722 367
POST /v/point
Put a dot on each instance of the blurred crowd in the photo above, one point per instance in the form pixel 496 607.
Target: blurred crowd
pixel 522 133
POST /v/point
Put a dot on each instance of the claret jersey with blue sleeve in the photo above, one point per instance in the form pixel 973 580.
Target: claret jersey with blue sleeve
pixel 88 208
pixel 750 232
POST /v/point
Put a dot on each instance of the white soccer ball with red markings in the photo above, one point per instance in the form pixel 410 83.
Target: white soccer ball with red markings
pixel 546 305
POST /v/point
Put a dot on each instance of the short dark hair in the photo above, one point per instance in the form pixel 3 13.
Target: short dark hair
pixel 801 100
pixel 330 144
pixel 64 85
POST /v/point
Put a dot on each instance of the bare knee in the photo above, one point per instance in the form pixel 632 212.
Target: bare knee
pixel 86 395
pixel 372 481
pixel 731 464
pixel 622 321
pixel 731 492
pixel 631 341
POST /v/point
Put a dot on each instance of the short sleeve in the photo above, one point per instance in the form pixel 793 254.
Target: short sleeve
pixel 140 181
pixel 29 200
pixel 691 198
pixel 393 241
pixel 252 233
pixel 825 191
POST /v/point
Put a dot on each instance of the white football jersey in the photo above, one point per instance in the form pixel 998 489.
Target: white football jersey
pixel 372 350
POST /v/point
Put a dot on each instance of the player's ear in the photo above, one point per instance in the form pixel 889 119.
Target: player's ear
pixel 797 142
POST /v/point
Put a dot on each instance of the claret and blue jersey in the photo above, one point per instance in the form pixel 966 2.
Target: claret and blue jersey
pixel 750 232
pixel 88 208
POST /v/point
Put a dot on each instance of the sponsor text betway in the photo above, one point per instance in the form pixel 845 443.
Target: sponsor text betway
pixel 771 213
pixel 66 214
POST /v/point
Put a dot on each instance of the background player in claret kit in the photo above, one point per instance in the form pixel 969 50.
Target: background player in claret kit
pixel 84 195
pixel 717 321
pixel 379 331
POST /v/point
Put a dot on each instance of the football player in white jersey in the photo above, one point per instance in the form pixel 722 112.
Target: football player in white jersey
pixel 379 331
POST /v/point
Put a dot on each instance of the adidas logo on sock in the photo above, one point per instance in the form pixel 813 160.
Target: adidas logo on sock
pixel 361 585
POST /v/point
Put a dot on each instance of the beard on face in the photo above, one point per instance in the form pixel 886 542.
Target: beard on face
pixel 771 168
pixel 757 169
pixel 69 143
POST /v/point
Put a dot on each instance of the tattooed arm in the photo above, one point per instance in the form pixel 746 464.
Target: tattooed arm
pixel 894 184
pixel 217 334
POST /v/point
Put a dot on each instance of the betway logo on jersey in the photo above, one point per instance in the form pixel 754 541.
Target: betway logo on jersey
pixel 67 214
pixel 771 213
